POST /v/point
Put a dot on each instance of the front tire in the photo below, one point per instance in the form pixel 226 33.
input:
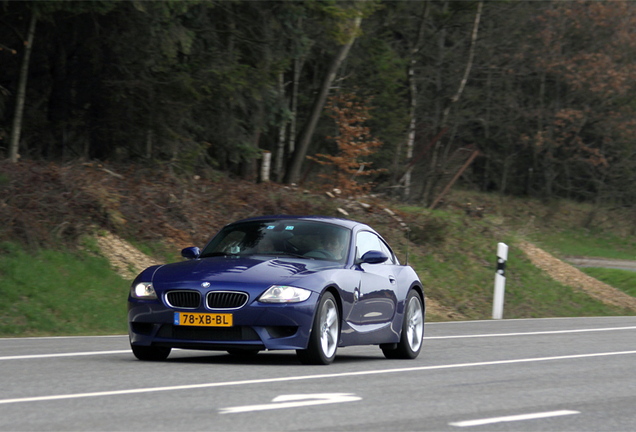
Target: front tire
pixel 325 333
pixel 410 343
pixel 150 353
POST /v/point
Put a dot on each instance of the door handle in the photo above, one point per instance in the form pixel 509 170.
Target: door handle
pixel 392 279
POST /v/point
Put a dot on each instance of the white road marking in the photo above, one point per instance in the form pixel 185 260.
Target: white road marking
pixel 73 354
pixel 595 318
pixel 513 418
pixel 30 338
pixel 295 401
pixel 531 333
pixel 306 377
pixel 87 353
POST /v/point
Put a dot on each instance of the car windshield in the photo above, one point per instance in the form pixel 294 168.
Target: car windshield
pixel 295 238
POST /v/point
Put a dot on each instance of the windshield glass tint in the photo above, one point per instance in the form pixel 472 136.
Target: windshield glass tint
pixel 303 239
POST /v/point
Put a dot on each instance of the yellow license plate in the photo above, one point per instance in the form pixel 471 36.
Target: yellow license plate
pixel 203 319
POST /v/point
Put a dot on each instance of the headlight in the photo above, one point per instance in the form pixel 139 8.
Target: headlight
pixel 284 294
pixel 143 290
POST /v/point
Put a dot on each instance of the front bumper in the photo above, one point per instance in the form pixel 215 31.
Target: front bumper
pixel 256 326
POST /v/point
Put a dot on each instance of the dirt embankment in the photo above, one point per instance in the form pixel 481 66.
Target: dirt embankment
pixel 126 259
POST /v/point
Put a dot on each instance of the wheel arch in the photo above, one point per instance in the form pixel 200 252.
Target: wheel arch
pixel 420 291
pixel 336 295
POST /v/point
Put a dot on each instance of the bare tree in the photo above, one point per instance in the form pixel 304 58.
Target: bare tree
pixel 21 95
pixel 434 160
pixel 303 145
pixel 410 143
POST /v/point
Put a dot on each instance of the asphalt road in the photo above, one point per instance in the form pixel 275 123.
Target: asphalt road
pixel 523 375
pixel 602 262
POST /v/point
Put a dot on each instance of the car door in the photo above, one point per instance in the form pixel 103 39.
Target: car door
pixel 375 299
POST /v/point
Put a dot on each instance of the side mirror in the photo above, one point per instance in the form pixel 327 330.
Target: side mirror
pixel 191 252
pixel 373 257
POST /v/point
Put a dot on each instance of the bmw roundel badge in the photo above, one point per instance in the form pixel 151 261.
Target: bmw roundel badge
pixel 205 284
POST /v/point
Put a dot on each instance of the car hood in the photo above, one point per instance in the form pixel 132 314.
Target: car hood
pixel 242 270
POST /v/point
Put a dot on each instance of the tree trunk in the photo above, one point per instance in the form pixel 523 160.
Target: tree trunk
pixel 280 151
pixel 410 143
pixel 21 96
pixel 299 61
pixel 540 130
pixel 439 85
pixel 150 136
pixel 486 122
pixel 300 153
pixel 250 165
pixel 433 167
pixel 469 65
pixel 294 107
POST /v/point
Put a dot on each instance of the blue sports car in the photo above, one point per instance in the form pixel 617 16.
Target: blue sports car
pixel 310 284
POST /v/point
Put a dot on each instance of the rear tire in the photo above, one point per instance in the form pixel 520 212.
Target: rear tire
pixel 410 343
pixel 150 353
pixel 325 333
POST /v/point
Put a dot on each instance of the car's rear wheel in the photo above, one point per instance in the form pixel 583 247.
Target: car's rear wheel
pixel 150 353
pixel 325 333
pixel 410 343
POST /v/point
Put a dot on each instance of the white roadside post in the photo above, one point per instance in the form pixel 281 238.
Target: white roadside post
pixel 500 281
pixel 265 166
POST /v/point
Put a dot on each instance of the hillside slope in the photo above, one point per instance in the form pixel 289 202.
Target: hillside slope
pixel 130 208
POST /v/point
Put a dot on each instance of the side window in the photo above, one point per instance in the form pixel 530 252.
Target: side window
pixel 365 242
pixel 388 252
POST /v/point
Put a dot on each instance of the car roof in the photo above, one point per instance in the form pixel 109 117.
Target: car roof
pixel 345 223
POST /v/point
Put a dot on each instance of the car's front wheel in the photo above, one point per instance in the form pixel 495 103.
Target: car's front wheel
pixel 150 353
pixel 325 333
pixel 410 343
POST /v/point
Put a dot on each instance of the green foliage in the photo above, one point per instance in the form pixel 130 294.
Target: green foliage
pixel 380 74
pixel 549 101
pixel 46 9
pixel 337 16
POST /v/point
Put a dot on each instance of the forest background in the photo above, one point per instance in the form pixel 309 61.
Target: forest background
pixel 537 97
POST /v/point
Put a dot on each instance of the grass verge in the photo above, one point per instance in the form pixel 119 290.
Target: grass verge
pixel 457 267
pixel 624 280
pixel 59 293
pixel 591 243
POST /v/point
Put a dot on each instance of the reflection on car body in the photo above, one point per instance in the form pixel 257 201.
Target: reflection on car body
pixel 310 284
